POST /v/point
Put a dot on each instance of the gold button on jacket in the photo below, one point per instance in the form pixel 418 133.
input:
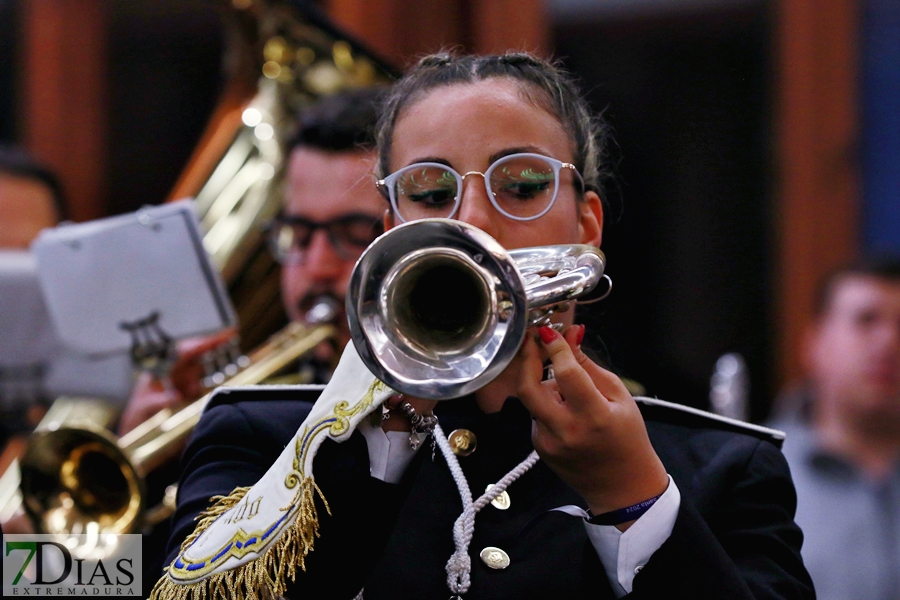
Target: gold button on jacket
pixel 495 558
pixel 463 442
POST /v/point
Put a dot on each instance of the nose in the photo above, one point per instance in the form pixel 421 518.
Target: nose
pixel 322 260
pixel 475 207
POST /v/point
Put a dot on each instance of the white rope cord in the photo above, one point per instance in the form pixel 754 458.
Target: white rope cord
pixel 459 567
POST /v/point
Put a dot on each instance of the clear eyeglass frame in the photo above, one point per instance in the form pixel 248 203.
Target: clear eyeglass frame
pixel 387 185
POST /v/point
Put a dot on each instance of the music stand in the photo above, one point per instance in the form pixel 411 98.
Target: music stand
pixel 132 283
pixel 34 364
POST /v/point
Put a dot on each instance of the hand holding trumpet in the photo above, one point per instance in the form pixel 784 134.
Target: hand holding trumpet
pixel 587 427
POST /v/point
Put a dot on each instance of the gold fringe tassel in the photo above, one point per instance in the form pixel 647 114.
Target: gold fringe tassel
pixel 263 578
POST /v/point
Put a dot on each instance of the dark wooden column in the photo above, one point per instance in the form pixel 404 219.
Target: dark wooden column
pixel 401 30
pixel 63 95
pixel 817 129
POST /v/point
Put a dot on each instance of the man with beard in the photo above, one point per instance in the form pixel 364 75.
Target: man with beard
pixel 332 213
pixel 843 435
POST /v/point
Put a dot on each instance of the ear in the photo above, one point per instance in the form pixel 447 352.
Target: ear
pixel 590 225
pixel 388 219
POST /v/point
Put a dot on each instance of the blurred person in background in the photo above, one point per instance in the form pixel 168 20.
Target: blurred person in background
pixel 31 198
pixel 332 212
pixel 843 434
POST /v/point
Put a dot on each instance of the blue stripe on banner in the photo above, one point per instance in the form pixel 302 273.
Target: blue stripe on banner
pixel 275 524
pixel 220 554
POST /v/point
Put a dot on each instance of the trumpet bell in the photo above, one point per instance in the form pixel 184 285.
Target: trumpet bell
pixel 436 308
pixel 78 479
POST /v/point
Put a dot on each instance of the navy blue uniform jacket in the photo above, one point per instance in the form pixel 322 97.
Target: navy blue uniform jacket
pixel 734 536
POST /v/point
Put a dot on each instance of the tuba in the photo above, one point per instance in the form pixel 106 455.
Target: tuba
pixel 282 56
pixel 438 308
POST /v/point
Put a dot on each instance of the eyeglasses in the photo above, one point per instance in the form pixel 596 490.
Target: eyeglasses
pixel 521 186
pixel 349 235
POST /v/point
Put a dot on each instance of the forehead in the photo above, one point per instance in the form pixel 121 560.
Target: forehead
pixel 854 293
pixel 322 185
pixel 466 123
pixel 26 207
pixel 17 191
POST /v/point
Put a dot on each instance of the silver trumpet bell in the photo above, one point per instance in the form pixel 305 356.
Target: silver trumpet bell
pixel 438 308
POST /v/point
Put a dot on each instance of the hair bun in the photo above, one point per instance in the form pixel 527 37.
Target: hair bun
pixel 440 59
pixel 520 58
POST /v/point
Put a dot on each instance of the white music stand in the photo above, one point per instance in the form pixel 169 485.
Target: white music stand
pixel 131 283
pixel 34 364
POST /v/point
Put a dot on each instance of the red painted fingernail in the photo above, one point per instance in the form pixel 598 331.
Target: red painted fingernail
pixel 548 334
pixel 580 336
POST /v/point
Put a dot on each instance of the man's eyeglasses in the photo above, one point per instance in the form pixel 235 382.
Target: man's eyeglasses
pixel 521 186
pixel 349 235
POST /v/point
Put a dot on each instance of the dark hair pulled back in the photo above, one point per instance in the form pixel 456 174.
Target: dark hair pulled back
pixel 342 122
pixel 542 83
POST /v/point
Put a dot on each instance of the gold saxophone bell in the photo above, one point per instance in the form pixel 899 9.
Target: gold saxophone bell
pixel 77 477
pixel 438 308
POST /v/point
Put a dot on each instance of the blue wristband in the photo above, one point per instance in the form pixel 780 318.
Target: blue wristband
pixel 623 515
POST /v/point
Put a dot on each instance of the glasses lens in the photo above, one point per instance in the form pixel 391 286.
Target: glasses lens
pixel 523 186
pixel 287 241
pixel 353 235
pixel 423 192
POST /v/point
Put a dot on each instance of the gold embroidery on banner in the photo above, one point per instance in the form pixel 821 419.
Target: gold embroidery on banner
pixel 220 505
pixel 338 422
pixel 343 414
pixel 278 563
pixel 271 570
pixel 245 510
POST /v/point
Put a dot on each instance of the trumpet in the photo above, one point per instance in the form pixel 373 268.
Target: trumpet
pixel 78 478
pixel 443 320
